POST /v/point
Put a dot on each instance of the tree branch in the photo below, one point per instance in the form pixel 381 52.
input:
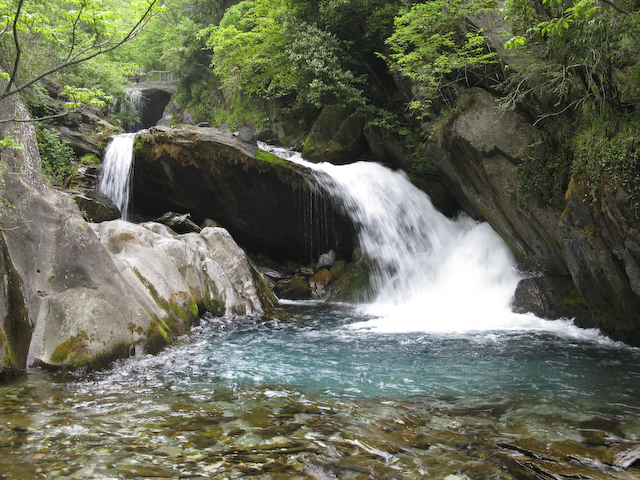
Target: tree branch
pixel 73 34
pixel 82 56
pixel 615 7
pixel 16 41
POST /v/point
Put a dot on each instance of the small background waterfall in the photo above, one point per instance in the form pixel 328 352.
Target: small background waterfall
pixel 117 166
pixel 137 102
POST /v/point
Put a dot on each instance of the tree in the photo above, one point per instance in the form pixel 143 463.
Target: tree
pixel 581 51
pixel 260 48
pixel 67 33
pixel 432 42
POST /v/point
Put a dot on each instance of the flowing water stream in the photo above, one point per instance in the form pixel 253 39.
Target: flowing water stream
pixel 434 378
pixel 117 166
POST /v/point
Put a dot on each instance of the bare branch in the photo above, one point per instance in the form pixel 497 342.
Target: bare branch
pixel 16 40
pixel 615 7
pixel 29 120
pixel 74 30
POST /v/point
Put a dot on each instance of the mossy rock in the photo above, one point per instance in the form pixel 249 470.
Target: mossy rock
pixel 354 284
pixel 294 288
pixel 73 352
pixel 336 137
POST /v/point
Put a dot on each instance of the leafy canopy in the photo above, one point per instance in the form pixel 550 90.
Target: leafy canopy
pixel 581 52
pixel 260 48
pixel 38 39
pixel 433 40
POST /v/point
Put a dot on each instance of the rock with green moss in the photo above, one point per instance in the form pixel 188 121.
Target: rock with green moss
pixel 353 283
pixel 259 198
pixel 336 137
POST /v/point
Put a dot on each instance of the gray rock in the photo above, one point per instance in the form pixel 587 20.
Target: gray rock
pixel 74 299
pixel 327 259
pixel 552 298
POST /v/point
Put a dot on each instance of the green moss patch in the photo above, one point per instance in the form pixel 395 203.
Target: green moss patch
pixel 73 352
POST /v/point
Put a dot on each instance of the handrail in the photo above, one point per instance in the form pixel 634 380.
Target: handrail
pixel 155 76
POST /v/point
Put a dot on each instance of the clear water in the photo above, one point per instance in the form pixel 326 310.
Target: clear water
pixel 117 166
pixel 310 396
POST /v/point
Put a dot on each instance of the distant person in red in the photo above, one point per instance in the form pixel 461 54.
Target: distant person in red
pixel 137 78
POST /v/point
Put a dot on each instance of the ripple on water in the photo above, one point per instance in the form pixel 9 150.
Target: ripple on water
pixel 331 403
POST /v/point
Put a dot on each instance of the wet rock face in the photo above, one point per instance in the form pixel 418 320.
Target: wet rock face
pixel 477 158
pixel 602 246
pixel 263 201
pixel 552 298
pixel 336 137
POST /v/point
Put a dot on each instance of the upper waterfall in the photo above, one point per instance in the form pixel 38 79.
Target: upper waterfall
pixel 115 182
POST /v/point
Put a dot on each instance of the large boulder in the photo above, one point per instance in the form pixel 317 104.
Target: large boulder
pixel 265 202
pixel 68 301
pixel 336 137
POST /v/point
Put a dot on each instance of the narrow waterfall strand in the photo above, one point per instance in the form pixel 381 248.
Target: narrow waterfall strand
pixel 117 167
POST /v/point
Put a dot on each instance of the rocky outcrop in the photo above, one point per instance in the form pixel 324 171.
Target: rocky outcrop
pixel 155 99
pixel 335 137
pixel 69 298
pixel 265 202
pixel 552 298
pixel 592 246
pixel 477 156
pixel 602 246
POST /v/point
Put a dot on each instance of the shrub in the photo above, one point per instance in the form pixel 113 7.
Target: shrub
pixel 56 155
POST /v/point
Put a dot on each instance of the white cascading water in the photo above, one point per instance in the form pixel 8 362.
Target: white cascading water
pixel 431 273
pixel 117 164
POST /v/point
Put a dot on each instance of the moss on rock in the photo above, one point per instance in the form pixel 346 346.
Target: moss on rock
pixel 73 352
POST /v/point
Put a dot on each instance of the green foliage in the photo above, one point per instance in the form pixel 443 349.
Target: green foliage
pixel 259 48
pixel 56 155
pixel 579 52
pixel 607 151
pixel 5 205
pixel 432 43
pixel 79 96
pixel 89 159
pixel 39 39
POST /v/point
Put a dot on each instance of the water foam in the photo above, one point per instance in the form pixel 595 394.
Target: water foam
pixel 430 273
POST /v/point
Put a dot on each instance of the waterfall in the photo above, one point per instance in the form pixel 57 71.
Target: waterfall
pixel 430 272
pixel 117 164
pixel 137 102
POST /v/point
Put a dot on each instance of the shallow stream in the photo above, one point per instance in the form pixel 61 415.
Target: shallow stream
pixel 322 395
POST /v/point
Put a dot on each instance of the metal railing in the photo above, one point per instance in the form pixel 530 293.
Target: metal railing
pixel 155 76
